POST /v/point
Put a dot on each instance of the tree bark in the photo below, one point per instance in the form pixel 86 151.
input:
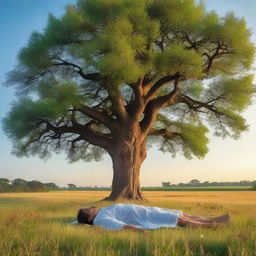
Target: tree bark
pixel 128 154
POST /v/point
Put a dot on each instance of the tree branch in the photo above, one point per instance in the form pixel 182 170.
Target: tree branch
pixel 91 77
pixel 108 121
pixel 117 102
pixel 161 82
pixel 195 105
pixel 164 133
pixel 220 50
pixel 135 107
pixel 84 131
pixel 155 105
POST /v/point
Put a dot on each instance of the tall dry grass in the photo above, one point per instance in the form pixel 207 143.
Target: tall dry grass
pixel 38 224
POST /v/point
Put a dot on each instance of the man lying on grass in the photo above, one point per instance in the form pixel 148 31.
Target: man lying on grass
pixel 138 218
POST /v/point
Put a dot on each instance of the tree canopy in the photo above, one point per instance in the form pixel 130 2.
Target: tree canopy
pixel 21 185
pixel 169 64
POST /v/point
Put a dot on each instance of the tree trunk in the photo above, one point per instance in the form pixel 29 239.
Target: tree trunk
pixel 127 156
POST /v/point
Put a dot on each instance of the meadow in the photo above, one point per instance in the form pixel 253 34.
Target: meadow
pixel 194 188
pixel 38 224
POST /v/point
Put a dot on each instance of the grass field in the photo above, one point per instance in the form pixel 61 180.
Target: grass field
pixel 37 224
pixel 209 188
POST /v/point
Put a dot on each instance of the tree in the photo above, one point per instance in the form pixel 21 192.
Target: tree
pixel 35 185
pixel 4 185
pixel 116 76
pixel 206 183
pixel 51 186
pixel 166 184
pixel 19 182
pixel 194 182
pixel 4 181
pixel 70 185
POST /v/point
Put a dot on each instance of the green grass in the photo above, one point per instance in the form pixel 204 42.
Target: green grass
pixel 37 224
pixel 215 188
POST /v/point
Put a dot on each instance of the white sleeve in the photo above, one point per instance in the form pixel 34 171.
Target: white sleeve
pixel 109 222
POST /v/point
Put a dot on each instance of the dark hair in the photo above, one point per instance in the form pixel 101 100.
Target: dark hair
pixel 84 217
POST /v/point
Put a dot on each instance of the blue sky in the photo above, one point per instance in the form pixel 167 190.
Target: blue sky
pixel 227 160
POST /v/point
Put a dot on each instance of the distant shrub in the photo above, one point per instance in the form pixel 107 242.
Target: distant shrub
pixel 20 185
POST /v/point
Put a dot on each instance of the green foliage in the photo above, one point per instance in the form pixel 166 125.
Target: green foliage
pixel 193 88
pixel 179 136
pixel 235 96
pixel 124 41
pixel 21 185
pixel 194 140
pixel 62 93
pixel 46 46
pixel 4 180
pixel 235 123
pixel 85 152
pixel 19 182
pixel 35 185
pixel 25 115
pixel 54 99
pixel 123 44
pixel 118 31
pixel 177 59
pixel 237 92
pixel 66 29
pixel 231 29
pixel 4 184
pixel 176 14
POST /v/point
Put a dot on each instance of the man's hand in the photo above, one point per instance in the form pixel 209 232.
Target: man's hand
pixel 133 228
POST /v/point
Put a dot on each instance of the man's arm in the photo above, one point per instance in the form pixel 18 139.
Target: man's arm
pixel 133 228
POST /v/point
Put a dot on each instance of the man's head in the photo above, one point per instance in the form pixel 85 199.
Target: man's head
pixel 87 215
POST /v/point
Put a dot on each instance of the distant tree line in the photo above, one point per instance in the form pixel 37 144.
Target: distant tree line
pixel 197 183
pixel 91 188
pixel 21 185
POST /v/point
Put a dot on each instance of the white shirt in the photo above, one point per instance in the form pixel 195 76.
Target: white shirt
pixel 145 217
